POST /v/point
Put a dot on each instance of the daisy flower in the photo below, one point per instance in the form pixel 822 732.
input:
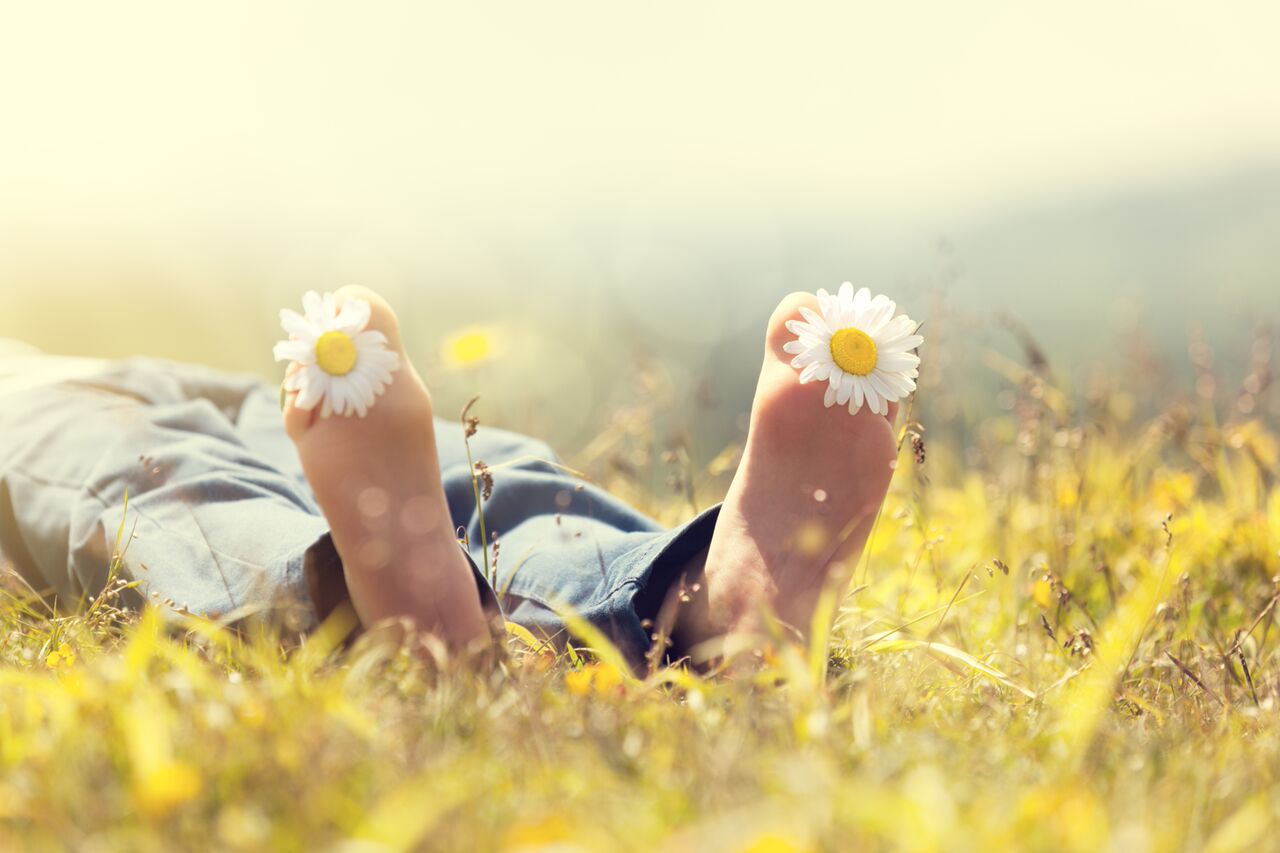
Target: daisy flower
pixel 344 366
pixel 856 344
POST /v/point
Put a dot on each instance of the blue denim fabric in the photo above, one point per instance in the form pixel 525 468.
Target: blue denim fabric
pixel 221 519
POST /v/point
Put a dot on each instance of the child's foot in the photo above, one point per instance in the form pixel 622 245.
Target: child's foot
pixel 377 479
pixel 802 503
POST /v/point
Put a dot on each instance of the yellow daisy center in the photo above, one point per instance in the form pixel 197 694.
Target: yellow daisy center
pixel 335 353
pixel 469 348
pixel 853 351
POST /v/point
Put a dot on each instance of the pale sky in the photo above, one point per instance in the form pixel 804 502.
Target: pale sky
pixel 165 117
pixel 161 162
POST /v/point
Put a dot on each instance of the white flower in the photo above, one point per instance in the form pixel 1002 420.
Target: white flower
pixel 343 365
pixel 858 347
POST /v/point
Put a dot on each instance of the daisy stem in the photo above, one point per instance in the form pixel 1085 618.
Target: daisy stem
pixel 467 431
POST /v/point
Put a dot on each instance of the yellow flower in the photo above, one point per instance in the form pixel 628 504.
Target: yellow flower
pixel 550 830
pixel 472 346
pixel 608 679
pixel 1042 593
pixel 158 792
pixel 63 657
pixel 772 843
pixel 1173 491
pixel 600 678
pixel 578 681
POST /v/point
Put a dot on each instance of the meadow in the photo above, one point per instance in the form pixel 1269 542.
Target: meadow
pixel 1060 638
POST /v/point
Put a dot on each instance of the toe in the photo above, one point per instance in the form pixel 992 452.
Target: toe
pixel 777 334
pixel 296 421
pixel 381 317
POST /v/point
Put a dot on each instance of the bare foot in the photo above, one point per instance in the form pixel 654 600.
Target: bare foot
pixel 377 479
pixel 801 504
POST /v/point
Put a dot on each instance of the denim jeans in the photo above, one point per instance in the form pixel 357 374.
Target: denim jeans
pixel 220 519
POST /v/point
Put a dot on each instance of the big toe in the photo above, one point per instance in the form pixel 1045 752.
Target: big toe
pixel 777 336
pixel 776 333
pixel 298 421
pixel 381 317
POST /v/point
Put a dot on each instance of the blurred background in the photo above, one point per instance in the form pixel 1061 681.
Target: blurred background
pixel 579 204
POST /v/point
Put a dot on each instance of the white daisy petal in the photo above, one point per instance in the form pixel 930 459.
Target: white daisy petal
pixel 313 306
pixel 829 399
pixel 796 327
pixel 809 373
pixel 846 389
pixel 815 320
pixel 359 394
pixel 825 302
pixel 878 314
pixel 311 386
pixel 291 351
pixel 805 359
pixel 790 347
pixel 294 324
pixel 873 397
pixel 898 327
pixel 353 318
pixel 369 339
pixel 891 366
pixel 390 359
pixel 897 361
pixel 902 344
pixel 366 387
pixel 899 384
pixel 882 388
pixel 846 293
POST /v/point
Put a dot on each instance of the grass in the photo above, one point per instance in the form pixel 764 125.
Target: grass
pixel 1061 638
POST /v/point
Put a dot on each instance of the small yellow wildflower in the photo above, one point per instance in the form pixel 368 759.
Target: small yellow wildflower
pixel 552 829
pixel 608 679
pixel 1172 491
pixel 158 792
pixel 63 657
pixel 772 843
pixel 472 346
pixel 1042 592
pixel 600 678
pixel 578 681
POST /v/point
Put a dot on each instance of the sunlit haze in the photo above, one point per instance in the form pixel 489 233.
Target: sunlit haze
pixel 174 172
